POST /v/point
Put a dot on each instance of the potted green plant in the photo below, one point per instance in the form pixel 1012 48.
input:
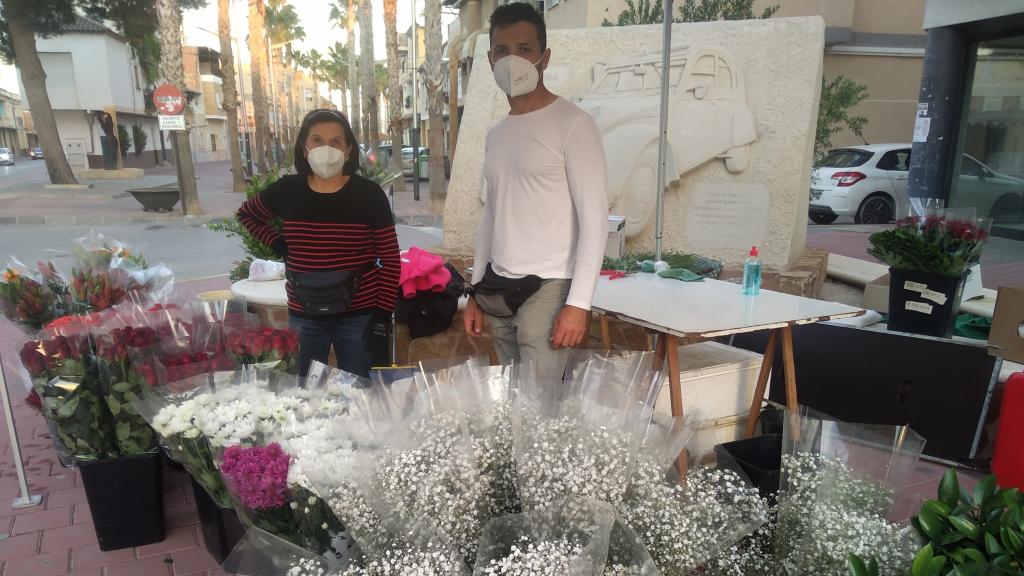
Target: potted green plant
pixel 929 259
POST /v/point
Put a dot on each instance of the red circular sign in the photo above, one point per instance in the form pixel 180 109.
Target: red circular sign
pixel 168 100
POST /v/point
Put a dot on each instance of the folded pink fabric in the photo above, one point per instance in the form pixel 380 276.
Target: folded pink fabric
pixel 422 271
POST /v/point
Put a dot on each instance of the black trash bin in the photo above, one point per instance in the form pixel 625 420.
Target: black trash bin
pixel 221 527
pixel 126 499
pixel 759 459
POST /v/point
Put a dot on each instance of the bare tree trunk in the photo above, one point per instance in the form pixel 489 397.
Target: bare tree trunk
pixel 394 90
pixel 367 76
pixel 26 57
pixel 230 96
pixel 435 97
pixel 355 114
pixel 169 27
pixel 260 102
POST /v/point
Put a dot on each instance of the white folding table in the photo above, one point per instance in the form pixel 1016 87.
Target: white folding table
pixel 690 312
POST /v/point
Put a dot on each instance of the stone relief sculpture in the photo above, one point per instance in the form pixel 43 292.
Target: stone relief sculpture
pixel 708 119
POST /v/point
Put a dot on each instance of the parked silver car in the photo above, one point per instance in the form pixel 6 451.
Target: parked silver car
pixel 6 157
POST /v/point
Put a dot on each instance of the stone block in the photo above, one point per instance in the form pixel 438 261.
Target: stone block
pixel 742 121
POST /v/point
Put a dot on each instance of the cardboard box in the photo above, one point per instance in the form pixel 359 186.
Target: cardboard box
pixel 615 246
pixel 876 295
pixel 1006 339
pixel 876 292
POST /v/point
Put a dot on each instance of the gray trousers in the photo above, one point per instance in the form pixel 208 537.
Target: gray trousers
pixel 526 337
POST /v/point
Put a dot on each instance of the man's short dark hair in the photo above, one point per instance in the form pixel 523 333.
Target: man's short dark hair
pixel 516 12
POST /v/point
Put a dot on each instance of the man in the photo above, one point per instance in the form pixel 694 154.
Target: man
pixel 545 214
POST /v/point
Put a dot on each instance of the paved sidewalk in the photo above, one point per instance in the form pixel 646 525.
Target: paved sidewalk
pixel 108 201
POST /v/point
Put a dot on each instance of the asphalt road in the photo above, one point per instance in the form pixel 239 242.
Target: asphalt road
pixel 24 173
pixel 191 251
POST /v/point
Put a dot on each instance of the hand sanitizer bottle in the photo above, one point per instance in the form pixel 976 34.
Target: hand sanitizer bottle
pixel 752 273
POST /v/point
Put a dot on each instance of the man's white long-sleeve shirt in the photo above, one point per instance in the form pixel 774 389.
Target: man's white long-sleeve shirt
pixel 546 208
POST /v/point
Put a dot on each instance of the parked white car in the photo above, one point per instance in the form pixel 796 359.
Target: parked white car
pixel 6 157
pixel 869 184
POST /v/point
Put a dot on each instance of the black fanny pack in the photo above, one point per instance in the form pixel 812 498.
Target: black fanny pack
pixel 326 292
pixel 501 297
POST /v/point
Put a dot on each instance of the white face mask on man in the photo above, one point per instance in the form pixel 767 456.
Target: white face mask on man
pixel 326 161
pixel 516 75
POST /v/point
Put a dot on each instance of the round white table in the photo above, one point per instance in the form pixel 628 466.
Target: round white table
pixel 268 300
pixel 270 293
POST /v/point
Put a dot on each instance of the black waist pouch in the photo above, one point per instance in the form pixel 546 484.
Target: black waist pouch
pixel 501 297
pixel 322 293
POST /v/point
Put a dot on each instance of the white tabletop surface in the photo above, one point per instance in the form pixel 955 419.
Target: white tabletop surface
pixel 707 309
pixel 269 293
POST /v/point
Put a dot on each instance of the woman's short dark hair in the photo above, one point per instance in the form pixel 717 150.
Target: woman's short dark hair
pixel 319 117
pixel 515 12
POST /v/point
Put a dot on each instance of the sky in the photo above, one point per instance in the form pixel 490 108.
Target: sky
pixel 201 26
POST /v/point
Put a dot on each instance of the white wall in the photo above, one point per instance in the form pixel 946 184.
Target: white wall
pixel 90 72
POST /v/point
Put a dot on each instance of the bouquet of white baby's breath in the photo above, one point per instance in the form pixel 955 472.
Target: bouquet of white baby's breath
pixel 583 439
pixel 841 493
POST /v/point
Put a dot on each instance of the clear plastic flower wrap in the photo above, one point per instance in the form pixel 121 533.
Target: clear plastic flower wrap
pixel 580 438
pixel 125 333
pixel 320 436
pixel 108 272
pixel 256 477
pixel 627 555
pixel 260 553
pixel 843 491
pixel 569 536
pixel 686 522
pixel 484 396
pixel 426 471
pixel 172 416
pixel 64 375
pixel 29 299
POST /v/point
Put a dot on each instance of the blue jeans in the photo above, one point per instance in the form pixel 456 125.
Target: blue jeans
pixel 350 337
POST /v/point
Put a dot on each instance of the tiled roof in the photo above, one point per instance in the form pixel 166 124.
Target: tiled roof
pixel 87 25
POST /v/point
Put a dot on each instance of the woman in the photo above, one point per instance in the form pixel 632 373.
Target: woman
pixel 338 242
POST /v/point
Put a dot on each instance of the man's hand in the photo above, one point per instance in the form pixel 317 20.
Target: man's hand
pixel 473 318
pixel 570 327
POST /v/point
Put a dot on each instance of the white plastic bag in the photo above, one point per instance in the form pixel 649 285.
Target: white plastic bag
pixel 265 270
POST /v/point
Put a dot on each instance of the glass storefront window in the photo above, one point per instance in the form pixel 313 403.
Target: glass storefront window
pixel 989 169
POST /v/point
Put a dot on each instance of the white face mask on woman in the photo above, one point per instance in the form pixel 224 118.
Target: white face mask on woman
pixel 326 161
pixel 516 75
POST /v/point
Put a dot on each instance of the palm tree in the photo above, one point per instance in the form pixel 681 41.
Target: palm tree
pixel 230 95
pixel 371 112
pixel 337 71
pixel 169 28
pixel 258 59
pixel 283 28
pixel 435 96
pixel 394 92
pixel 314 62
pixel 343 15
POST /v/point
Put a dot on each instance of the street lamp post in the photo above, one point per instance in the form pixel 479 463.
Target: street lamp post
pixel 415 112
pixel 273 97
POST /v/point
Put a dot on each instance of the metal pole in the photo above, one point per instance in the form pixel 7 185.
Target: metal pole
pixel 25 500
pixel 666 63
pixel 245 117
pixel 415 111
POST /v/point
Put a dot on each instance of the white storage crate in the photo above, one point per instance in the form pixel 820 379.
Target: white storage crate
pixel 718 382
